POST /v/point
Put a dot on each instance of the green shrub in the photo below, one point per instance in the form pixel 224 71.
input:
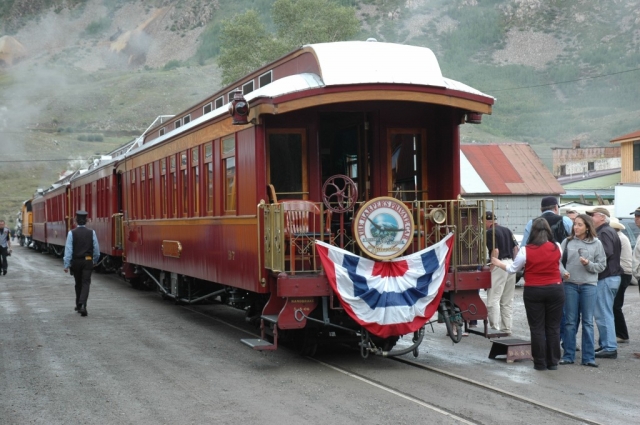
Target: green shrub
pixel 172 64
pixel 97 27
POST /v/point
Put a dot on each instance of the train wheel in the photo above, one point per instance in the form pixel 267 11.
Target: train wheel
pixel 306 342
pixel 454 329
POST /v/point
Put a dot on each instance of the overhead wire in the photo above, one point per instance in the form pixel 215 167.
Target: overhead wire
pixel 564 82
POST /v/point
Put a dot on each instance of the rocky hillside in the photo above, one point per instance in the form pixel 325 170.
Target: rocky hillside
pixel 560 70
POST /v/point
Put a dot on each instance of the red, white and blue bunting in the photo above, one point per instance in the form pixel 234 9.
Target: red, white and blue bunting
pixel 388 298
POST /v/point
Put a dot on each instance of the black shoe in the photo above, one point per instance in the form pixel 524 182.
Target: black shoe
pixel 590 364
pixel 607 354
pixel 563 362
pixel 77 308
pixel 599 349
pixel 4 272
pixel 552 367
pixel 83 310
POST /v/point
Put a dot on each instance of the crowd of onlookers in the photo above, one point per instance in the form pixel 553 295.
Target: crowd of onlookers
pixel 577 268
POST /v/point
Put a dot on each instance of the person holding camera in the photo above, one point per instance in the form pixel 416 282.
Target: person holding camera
pixel 5 246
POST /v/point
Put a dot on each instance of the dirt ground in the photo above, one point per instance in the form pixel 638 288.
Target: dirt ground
pixel 138 359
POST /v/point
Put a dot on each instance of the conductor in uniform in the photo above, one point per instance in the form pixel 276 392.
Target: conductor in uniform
pixel 81 253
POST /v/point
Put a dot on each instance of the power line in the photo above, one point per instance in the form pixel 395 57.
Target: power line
pixel 564 82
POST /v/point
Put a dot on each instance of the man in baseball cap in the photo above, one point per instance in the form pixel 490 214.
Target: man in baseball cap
pixel 608 283
pixel 572 214
pixel 550 212
pixel 599 210
pixel 503 284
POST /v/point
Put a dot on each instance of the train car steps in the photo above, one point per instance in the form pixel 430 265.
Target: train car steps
pixel 261 344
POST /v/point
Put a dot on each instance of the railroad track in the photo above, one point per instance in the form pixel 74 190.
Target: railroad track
pixel 437 408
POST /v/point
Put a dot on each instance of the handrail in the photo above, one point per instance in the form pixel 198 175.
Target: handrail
pixel 433 221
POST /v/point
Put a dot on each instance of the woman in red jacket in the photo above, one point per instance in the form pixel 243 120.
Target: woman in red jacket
pixel 543 292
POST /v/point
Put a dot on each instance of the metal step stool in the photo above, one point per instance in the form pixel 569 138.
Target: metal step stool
pixel 515 349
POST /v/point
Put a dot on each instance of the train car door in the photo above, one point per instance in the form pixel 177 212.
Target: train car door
pixel 287 163
pixel 407 168
pixel 345 148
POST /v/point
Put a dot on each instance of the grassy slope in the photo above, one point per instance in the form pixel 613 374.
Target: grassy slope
pixel 117 105
pixel 597 38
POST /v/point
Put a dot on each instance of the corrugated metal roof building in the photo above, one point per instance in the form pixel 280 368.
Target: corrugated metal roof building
pixel 511 174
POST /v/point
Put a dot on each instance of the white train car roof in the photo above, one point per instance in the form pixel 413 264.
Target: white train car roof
pixel 365 62
pixel 346 64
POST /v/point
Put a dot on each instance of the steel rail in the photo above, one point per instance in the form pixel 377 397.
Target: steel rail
pixel 496 390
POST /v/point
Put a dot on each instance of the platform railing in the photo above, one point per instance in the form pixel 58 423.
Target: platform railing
pixel 290 249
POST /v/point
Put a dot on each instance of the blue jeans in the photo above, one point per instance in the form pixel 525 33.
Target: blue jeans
pixel 579 300
pixel 607 289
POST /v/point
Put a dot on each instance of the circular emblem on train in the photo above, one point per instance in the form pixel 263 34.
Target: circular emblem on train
pixel 383 228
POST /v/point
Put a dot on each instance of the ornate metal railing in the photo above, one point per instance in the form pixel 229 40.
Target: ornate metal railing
pixel 289 230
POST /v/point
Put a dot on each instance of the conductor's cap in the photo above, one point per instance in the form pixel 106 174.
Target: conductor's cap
pixel 81 213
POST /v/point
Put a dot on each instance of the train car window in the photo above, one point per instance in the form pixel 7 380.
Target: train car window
pixel 163 187
pixel 186 119
pixel 286 163
pixel 185 193
pixel 195 181
pixel 219 102
pixel 408 164
pixel 88 200
pixel 133 209
pixel 162 131
pixel 247 87
pixel 229 169
pixel 185 184
pixel 174 188
pixel 76 199
pixel 152 191
pixel 265 78
pixel 230 94
pixel 102 210
pixel 99 199
pixel 207 108
pixel 143 192
pixel 208 159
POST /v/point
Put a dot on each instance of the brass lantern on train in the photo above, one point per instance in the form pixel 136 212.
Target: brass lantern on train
pixel 239 109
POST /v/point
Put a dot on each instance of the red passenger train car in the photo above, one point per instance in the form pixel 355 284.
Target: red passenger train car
pixel 205 195
pixel 97 191
pixel 227 198
pixel 51 218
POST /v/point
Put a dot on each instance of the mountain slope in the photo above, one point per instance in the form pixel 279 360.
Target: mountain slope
pixel 560 70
